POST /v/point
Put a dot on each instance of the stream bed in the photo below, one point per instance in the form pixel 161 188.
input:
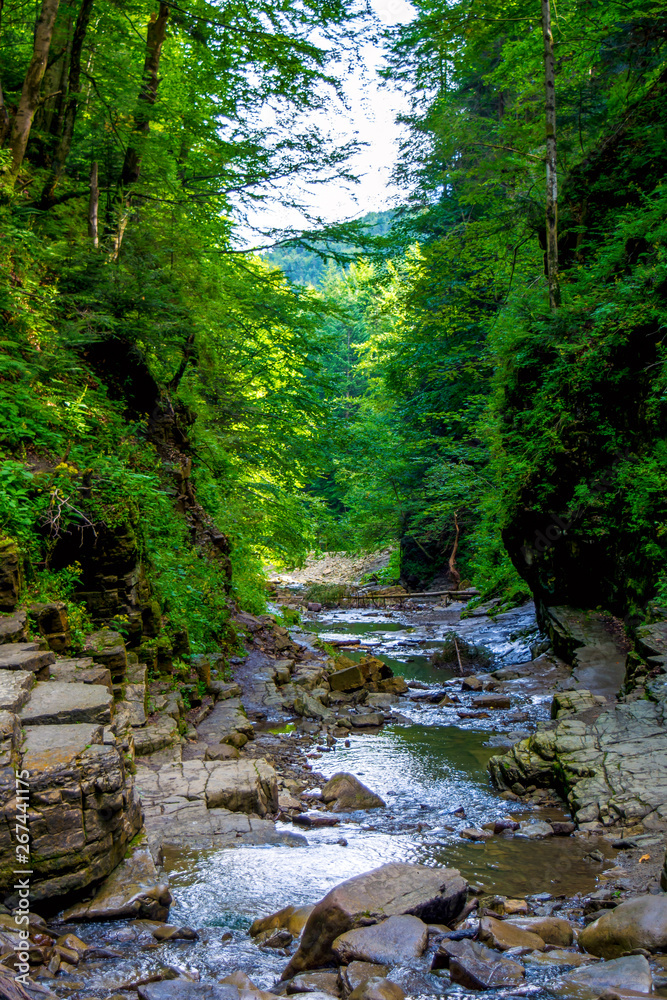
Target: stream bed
pixel 431 772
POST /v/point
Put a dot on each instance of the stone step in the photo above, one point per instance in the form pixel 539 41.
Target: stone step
pixel 62 703
pixel 25 656
pixel 15 687
pixel 62 671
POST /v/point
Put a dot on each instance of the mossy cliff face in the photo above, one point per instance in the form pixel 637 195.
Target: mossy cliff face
pixel 581 393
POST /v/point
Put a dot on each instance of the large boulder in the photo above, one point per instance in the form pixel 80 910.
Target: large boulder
pixel 347 794
pixel 629 977
pixel 637 923
pixel 392 941
pixel 435 895
pixel 377 989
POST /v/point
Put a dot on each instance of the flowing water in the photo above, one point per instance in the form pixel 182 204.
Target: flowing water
pixel 431 772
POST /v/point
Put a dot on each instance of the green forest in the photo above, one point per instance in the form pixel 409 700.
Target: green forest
pixel 476 376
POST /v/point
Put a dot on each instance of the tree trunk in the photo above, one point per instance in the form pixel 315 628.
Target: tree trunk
pixel 4 114
pixel 29 100
pixel 454 574
pixel 155 35
pixel 552 172
pixel 93 205
pixel 72 105
pixel 54 84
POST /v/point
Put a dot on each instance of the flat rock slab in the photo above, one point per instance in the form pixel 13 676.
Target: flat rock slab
pixel 248 785
pixel 67 673
pixel 630 976
pixel 614 770
pixel 391 942
pixel 182 989
pixel 60 703
pixel 202 803
pixel 48 748
pixel 17 657
pixel 132 890
pixel 435 895
pixel 15 687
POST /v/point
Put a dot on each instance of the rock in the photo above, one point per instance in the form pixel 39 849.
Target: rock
pixel 392 941
pixel 84 811
pixel 222 752
pixel 182 989
pixel 381 701
pixel 349 794
pixel 393 685
pixel 571 702
pixel 132 890
pixel 558 956
pixel 73 943
pixel 316 819
pixel 13 627
pixel 69 671
pixel 10 573
pixel 224 690
pixel 473 833
pixel 485 701
pixel 636 923
pixel 227 719
pixel 356 973
pixel 292 918
pixel 155 736
pixel 535 830
pixel 24 656
pixel 15 687
pixel 309 707
pixel 552 930
pixel 434 895
pixel 240 980
pixel 613 770
pixel 369 720
pixel 501 825
pixel 51 623
pixel 58 703
pixel 472 683
pixel 274 939
pixel 630 976
pixel 503 935
pixel 108 648
pixel 377 989
pixel 315 982
pixel 370 670
pixel 562 828
pixel 478 968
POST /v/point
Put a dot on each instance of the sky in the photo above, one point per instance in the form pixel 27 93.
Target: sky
pixel 370 117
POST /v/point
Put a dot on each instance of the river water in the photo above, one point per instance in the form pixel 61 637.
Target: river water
pixel 431 772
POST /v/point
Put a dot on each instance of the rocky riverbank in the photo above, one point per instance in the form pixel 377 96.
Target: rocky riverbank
pixel 126 771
